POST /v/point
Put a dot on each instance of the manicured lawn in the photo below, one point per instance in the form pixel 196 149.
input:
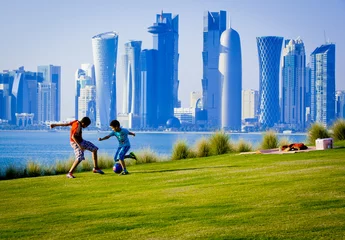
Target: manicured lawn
pixel 292 196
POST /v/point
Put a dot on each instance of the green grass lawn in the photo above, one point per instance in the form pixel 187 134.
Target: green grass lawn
pixel 291 196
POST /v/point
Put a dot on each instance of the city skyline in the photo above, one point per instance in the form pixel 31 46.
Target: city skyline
pixel 65 40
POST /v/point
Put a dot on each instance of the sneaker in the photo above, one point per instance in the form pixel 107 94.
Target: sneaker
pixel 70 175
pixel 124 172
pixel 97 171
pixel 133 155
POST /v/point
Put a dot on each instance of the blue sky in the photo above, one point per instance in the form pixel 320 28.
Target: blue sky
pixel 42 32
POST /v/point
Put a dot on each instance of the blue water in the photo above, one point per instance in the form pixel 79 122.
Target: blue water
pixel 19 147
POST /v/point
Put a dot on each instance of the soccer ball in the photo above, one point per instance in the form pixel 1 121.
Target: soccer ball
pixel 117 168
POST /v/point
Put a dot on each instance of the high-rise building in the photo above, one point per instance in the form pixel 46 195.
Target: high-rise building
pixel 340 104
pixel 46 102
pixel 293 102
pixel 230 69
pixel 196 100
pixel 104 48
pixel 148 102
pixel 132 81
pixel 18 94
pixel 269 52
pixel 250 103
pixel 214 25
pixel 322 64
pixel 85 98
pixel 52 74
pixel 165 39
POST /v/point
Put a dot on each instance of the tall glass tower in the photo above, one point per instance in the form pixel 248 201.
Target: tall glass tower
pixel 269 52
pixel 230 68
pixel 165 40
pixel 148 102
pixel 52 74
pixel 293 84
pixel 131 86
pixel 214 25
pixel 322 64
pixel 104 48
pixel 85 98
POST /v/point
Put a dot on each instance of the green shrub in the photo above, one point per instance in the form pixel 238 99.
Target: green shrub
pixel 316 131
pixel 63 166
pixel 48 170
pixel 270 140
pixel 219 143
pixel 202 148
pixel 146 155
pixel 105 161
pixel 33 169
pixel 87 165
pixel 180 150
pixel 243 146
pixel 339 130
pixel 14 172
pixel 284 141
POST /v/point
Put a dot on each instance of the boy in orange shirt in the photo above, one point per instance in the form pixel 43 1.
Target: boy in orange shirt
pixel 79 144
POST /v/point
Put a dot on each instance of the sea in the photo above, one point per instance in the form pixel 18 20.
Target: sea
pixel 18 147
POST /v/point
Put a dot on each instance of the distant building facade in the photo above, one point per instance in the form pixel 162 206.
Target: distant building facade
pixel 322 65
pixel 165 40
pixel 340 104
pixel 51 75
pixel 269 51
pixel 250 103
pixel 214 25
pixel 230 69
pixel 132 78
pixel 104 48
pixel 85 97
pixel 293 102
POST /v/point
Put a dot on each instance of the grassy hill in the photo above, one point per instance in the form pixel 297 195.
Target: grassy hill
pixel 292 196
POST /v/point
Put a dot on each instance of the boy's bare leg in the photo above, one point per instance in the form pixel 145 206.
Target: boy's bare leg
pixel 74 166
pixel 123 164
pixel 95 159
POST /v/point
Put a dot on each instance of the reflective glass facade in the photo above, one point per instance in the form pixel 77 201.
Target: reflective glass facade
pixel 104 48
pixel 165 40
pixel 214 25
pixel 132 81
pixel 322 65
pixel 293 84
pixel 269 52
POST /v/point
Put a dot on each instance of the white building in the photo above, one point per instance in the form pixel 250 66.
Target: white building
pixel 250 103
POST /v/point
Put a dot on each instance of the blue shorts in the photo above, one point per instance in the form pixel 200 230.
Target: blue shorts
pixel 121 152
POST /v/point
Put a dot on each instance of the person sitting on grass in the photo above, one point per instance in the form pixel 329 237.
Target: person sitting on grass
pixel 79 144
pixel 124 145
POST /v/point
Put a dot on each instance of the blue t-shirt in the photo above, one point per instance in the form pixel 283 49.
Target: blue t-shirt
pixel 122 136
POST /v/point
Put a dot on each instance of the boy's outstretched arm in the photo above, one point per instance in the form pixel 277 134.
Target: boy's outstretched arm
pixel 59 125
pixel 104 138
pixel 131 133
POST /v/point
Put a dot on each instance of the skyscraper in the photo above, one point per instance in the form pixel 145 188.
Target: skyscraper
pixel 322 64
pixel 293 84
pixel 165 40
pixel 269 52
pixel 52 74
pixel 85 98
pixel 250 103
pixel 230 68
pixel 104 48
pixel 132 81
pixel 214 25
pixel 46 102
pixel 340 104
pixel 148 102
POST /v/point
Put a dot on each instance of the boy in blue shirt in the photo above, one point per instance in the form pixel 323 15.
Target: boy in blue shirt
pixel 124 145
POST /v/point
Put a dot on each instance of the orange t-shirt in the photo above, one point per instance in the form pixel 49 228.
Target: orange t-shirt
pixel 76 131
